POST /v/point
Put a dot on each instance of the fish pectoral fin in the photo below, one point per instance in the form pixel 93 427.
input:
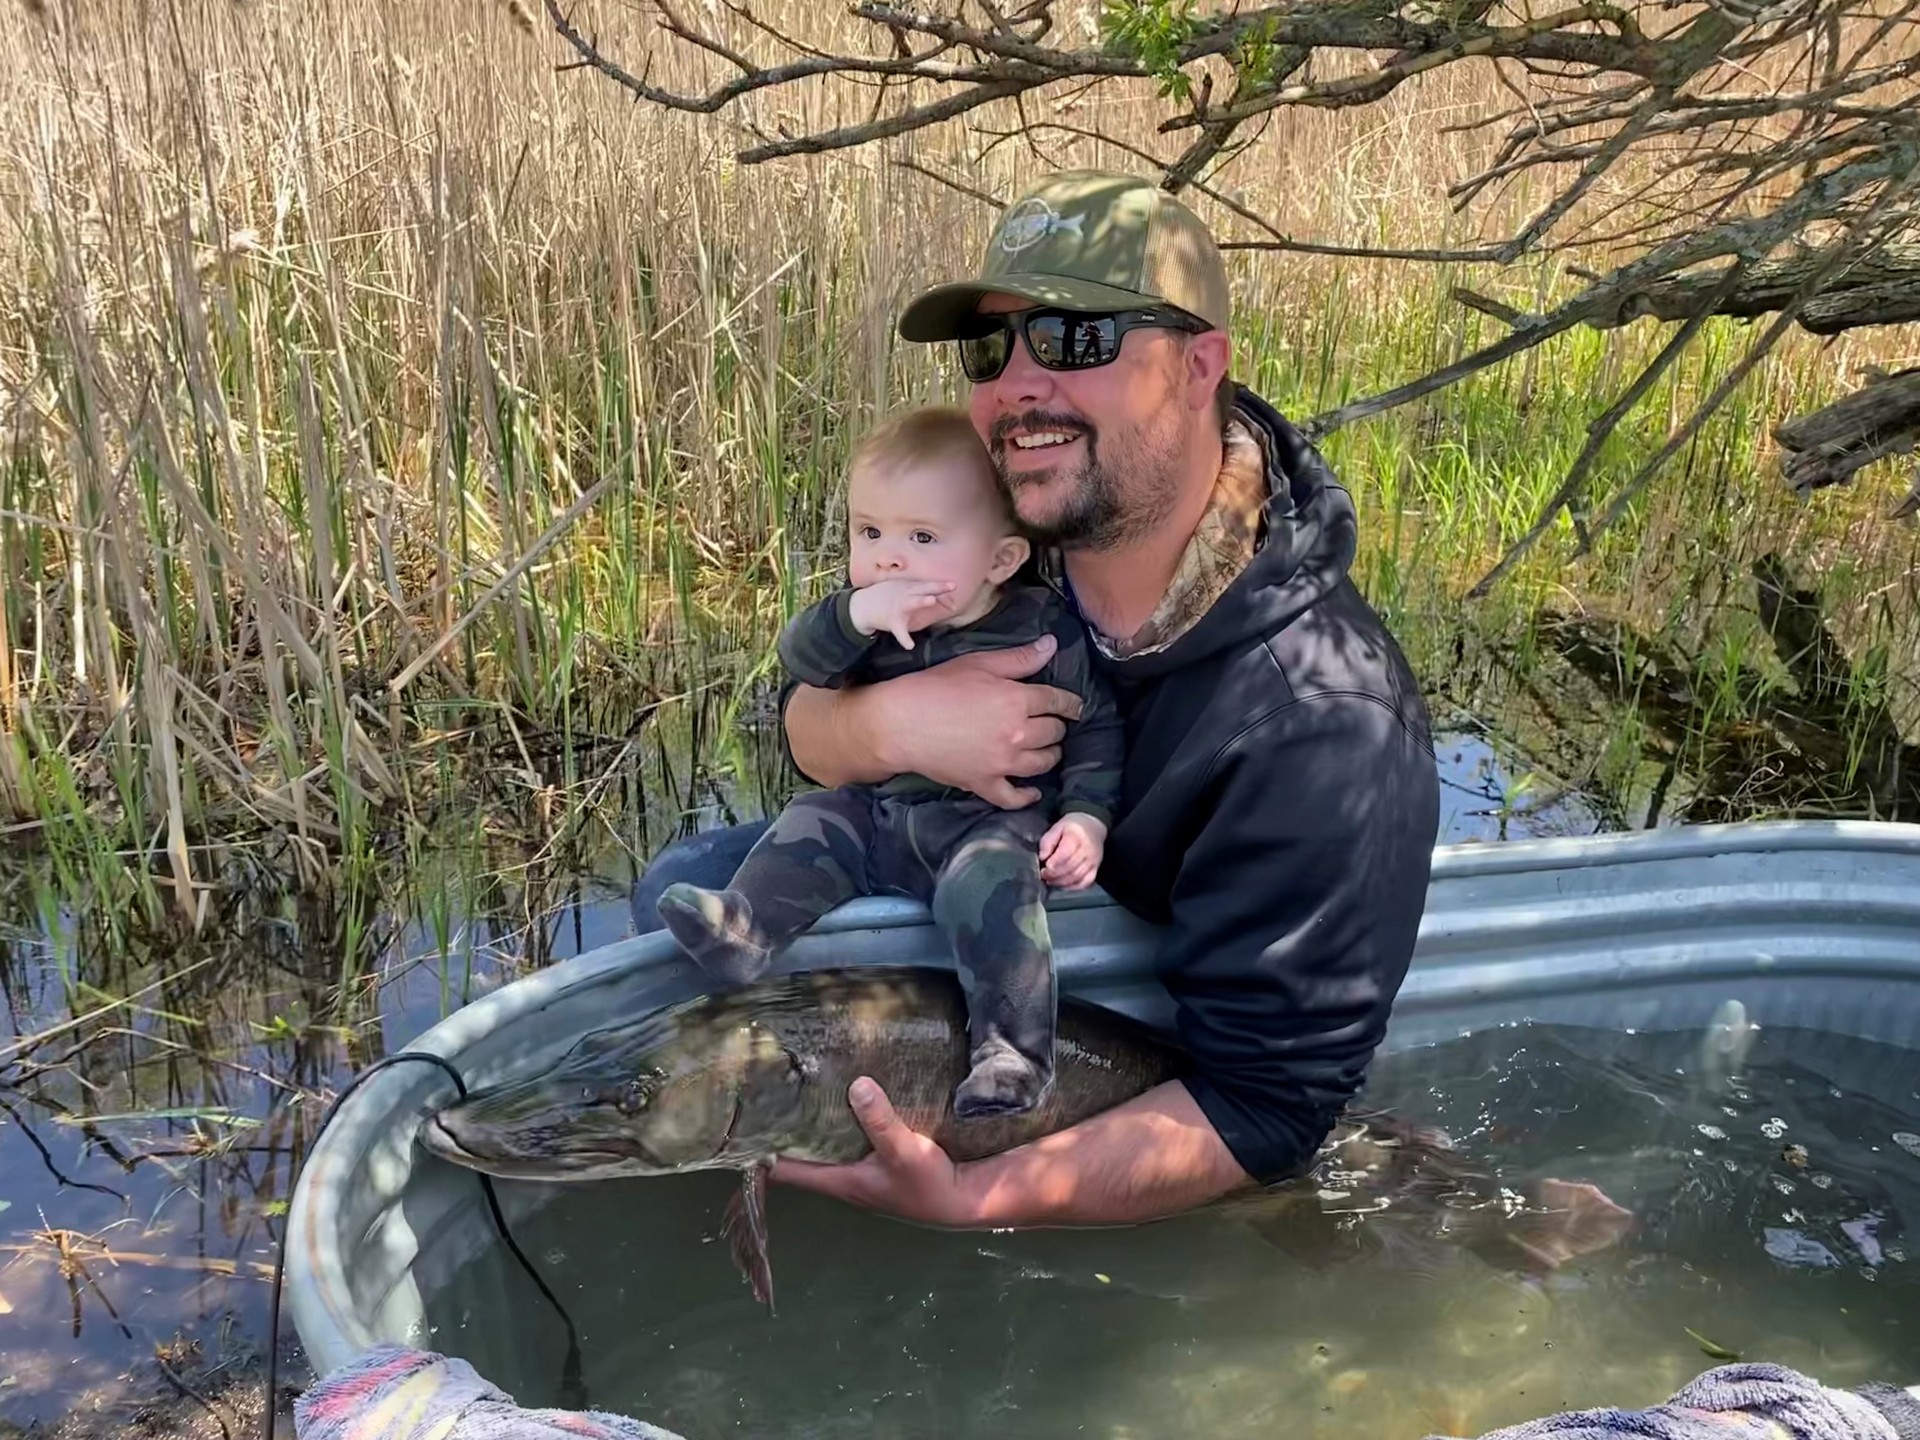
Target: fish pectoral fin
pixel 745 1227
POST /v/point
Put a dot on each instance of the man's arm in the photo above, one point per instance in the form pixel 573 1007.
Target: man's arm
pixel 1154 1156
pixel 1293 919
pixel 971 722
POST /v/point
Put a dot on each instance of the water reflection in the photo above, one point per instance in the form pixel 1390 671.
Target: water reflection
pixel 144 1161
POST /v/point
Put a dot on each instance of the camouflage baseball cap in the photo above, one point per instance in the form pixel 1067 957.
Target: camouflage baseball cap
pixel 1087 240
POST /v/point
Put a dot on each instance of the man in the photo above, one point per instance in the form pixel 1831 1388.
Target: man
pixel 1280 801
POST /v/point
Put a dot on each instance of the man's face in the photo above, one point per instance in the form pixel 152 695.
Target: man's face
pixel 1091 458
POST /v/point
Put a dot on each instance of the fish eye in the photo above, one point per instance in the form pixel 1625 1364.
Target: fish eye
pixel 634 1096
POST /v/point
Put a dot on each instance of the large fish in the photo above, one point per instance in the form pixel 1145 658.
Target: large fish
pixel 731 1081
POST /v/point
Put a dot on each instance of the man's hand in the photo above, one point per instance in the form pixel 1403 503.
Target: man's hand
pixel 1152 1156
pixel 1070 851
pixel 901 606
pixel 907 1175
pixel 971 722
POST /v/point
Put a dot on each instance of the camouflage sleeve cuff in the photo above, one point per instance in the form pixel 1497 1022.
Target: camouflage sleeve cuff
pixel 820 645
pixel 1073 806
pixel 843 616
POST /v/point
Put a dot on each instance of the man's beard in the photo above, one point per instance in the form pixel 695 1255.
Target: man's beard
pixel 1097 511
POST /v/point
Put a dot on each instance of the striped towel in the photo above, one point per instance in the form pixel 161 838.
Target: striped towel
pixel 1742 1402
pixel 393 1393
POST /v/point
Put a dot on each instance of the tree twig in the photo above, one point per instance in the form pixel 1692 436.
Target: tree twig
pixel 1603 427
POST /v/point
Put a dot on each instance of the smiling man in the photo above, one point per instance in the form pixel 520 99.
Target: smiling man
pixel 1280 799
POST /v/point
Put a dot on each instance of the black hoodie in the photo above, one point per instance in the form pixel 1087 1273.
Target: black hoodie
pixel 1278 817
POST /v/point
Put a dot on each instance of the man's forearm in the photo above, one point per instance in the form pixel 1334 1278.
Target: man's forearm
pixel 827 735
pixel 1152 1157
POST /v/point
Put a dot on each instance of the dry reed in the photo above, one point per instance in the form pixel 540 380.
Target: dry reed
pixel 393 421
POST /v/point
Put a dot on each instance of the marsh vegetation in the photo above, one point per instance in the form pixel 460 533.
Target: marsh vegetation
pixel 411 449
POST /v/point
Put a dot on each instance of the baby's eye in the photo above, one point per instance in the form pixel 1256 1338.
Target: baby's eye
pixel 869 532
pixel 923 537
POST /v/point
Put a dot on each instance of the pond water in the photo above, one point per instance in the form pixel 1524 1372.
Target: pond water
pixel 1208 1324
pixel 144 1175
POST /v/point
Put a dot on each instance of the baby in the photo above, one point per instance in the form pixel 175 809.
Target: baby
pixel 933 550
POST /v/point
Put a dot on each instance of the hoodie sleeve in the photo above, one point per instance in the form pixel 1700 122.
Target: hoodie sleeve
pixel 820 645
pixel 1293 918
pixel 1093 756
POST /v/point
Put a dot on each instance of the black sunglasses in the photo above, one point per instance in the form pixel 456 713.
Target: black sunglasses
pixel 1061 339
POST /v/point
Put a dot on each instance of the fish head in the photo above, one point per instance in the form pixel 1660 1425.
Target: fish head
pixel 656 1097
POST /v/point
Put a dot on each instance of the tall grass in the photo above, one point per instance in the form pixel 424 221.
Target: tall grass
pixel 402 433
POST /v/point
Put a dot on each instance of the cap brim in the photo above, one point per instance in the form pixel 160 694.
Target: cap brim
pixel 940 313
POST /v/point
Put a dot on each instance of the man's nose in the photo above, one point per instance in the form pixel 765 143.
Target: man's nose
pixel 1025 382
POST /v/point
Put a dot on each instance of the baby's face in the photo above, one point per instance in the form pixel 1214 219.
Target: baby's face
pixel 931 520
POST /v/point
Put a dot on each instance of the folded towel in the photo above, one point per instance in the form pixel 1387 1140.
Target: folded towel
pixel 393 1393
pixel 1739 1402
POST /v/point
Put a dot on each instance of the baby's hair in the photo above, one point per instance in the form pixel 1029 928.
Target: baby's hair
pixel 929 432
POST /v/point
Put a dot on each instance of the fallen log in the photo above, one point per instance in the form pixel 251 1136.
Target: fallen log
pixel 1881 287
pixel 1830 445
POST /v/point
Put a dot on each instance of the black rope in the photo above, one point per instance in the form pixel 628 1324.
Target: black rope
pixel 573 1390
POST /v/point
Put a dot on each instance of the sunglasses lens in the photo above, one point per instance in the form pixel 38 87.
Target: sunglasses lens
pixel 1072 342
pixel 984 356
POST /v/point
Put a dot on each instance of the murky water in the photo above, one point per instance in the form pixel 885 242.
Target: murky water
pixel 144 1175
pixel 1211 1325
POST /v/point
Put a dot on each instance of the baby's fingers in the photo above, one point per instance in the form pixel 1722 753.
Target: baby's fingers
pixel 1073 875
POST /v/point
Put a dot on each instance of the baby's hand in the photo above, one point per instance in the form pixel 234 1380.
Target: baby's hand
pixel 1070 852
pixel 901 606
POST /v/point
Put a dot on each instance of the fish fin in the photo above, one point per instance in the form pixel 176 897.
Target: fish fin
pixel 1568 1219
pixel 745 1227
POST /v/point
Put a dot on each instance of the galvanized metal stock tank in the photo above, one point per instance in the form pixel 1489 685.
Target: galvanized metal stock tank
pixel 1814 924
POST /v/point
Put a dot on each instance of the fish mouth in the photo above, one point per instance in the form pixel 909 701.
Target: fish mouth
pixel 438 1138
pixel 435 1135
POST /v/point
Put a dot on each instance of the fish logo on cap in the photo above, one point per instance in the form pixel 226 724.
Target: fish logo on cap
pixel 1032 221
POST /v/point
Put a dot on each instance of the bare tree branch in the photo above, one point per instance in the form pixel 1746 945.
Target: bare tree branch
pixel 1364 89
pixel 995 201
pixel 1712 151
pixel 849 136
pixel 1602 428
pixel 1882 288
pixel 1834 259
pixel 1752 236
pixel 918 66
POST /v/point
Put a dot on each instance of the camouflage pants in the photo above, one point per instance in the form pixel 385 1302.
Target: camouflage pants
pixel 975 865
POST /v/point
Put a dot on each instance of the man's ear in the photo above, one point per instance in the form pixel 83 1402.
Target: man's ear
pixel 1208 355
pixel 1008 556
